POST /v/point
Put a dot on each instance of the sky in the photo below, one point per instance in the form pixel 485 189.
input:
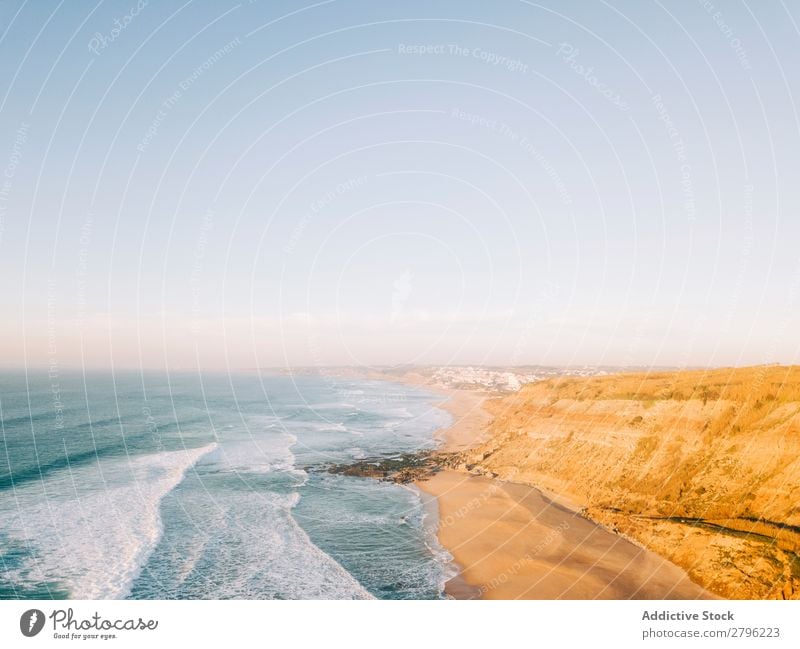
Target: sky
pixel 283 183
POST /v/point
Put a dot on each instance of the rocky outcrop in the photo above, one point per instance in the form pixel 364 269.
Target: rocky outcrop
pixel 402 469
pixel 702 467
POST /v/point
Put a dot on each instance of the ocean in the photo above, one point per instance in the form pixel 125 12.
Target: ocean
pixel 187 486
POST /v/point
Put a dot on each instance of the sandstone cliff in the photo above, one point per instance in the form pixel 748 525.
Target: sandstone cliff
pixel 702 467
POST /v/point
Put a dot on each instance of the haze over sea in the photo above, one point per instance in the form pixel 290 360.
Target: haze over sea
pixel 117 485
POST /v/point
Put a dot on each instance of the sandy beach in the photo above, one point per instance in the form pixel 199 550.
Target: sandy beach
pixel 513 542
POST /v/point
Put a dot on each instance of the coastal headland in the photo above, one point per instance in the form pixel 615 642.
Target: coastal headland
pixel 645 485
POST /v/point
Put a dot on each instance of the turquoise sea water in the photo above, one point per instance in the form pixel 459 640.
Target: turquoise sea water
pixel 186 486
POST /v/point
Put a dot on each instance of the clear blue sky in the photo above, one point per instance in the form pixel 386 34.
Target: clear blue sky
pixel 347 182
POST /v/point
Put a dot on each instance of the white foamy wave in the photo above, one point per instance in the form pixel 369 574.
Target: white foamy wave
pixel 330 580
pixel 330 427
pixel 446 567
pixel 400 413
pixel 246 546
pixel 255 454
pixel 93 528
pixel 357 453
pixel 295 566
pixel 329 405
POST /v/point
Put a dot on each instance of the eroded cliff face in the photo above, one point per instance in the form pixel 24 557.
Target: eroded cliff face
pixel 702 467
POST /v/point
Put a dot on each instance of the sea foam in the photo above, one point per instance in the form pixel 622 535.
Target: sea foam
pixel 90 530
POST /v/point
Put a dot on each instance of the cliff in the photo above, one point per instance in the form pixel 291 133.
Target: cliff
pixel 702 467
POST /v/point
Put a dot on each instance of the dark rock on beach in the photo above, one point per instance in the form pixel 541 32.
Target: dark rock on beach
pixel 405 468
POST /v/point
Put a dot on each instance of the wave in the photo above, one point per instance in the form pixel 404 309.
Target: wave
pixel 446 566
pixel 244 517
pixel 246 546
pixel 251 453
pixel 31 417
pixel 331 428
pixel 91 530
pixel 42 470
pixel 23 464
pixel 304 408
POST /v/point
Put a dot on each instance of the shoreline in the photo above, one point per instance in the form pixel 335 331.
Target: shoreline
pixel 513 541
pixel 454 586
